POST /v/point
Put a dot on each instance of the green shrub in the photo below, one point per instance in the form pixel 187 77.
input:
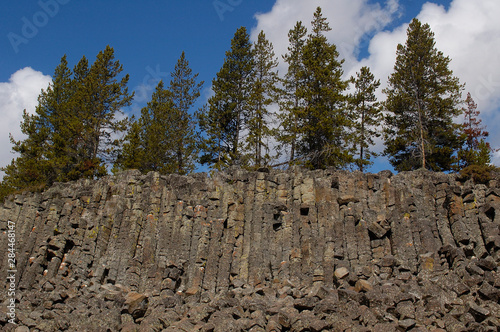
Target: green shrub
pixel 478 173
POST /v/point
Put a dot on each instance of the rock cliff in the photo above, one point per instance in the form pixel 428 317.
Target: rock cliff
pixel 273 250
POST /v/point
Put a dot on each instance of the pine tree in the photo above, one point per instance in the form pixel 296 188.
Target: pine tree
pixel 70 134
pixel 133 154
pixel 76 151
pixel 47 130
pixel 150 142
pixel 216 122
pixel 324 118
pixel 290 102
pixel 101 97
pixel 423 97
pixel 163 139
pixel 475 151
pixel 366 114
pixel 185 90
pixel 31 169
pixel 42 155
pixel 263 93
pixel 222 119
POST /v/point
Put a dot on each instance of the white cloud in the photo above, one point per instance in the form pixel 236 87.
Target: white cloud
pixel 469 32
pixel 351 21
pixel 19 93
pixel 496 158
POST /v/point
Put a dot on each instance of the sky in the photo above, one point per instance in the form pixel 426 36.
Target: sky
pixel 149 36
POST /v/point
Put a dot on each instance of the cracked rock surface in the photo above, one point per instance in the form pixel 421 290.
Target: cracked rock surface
pixel 273 250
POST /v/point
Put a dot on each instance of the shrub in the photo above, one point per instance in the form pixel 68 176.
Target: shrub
pixel 478 173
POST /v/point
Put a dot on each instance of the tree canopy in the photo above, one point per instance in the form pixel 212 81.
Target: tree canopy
pixel 222 119
pixel 423 98
pixel 164 138
pixel 73 131
pixel 323 118
pixel 254 117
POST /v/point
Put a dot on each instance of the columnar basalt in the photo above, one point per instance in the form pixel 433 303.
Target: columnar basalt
pixel 272 250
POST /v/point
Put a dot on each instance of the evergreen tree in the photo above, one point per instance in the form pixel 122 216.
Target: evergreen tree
pixel 185 90
pixel 100 98
pixel 217 123
pixel 70 135
pixel 367 115
pixel 43 153
pixel 133 154
pixel 76 152
pixel 290 102
pixel 263 94
pixel 222 119
pixel 423 97
pixel 30 169
pixel 324 119
pixel 163 139
pixel 475 151
pixel 149 144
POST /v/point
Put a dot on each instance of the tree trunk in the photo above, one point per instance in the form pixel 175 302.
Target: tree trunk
pixel 422 142
pixel 420 122
pixel 362 137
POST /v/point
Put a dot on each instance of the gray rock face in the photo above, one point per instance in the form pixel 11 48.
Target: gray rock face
pixel 292 250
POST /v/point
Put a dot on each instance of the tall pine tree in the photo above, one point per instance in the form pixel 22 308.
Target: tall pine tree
pixel 423 97
pixel 263 93
pixel 325 120
pixel 164 139
pixel 98 100
pixel 77 150
pixel 149 144
pixel 290 102
pixel 43 154
pixel 366 115
pixel 222 119
pixel 185 90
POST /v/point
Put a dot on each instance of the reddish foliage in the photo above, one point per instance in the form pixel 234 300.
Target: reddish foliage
pixel 472 125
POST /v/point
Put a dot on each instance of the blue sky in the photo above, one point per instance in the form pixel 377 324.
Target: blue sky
pixel 149 36
pixel 145 35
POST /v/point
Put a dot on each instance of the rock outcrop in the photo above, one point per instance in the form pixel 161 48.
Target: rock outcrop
pixel 271 250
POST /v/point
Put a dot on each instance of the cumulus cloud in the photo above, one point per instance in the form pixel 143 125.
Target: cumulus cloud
pixel 468 32
pixel 352 22
pixel 19 93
